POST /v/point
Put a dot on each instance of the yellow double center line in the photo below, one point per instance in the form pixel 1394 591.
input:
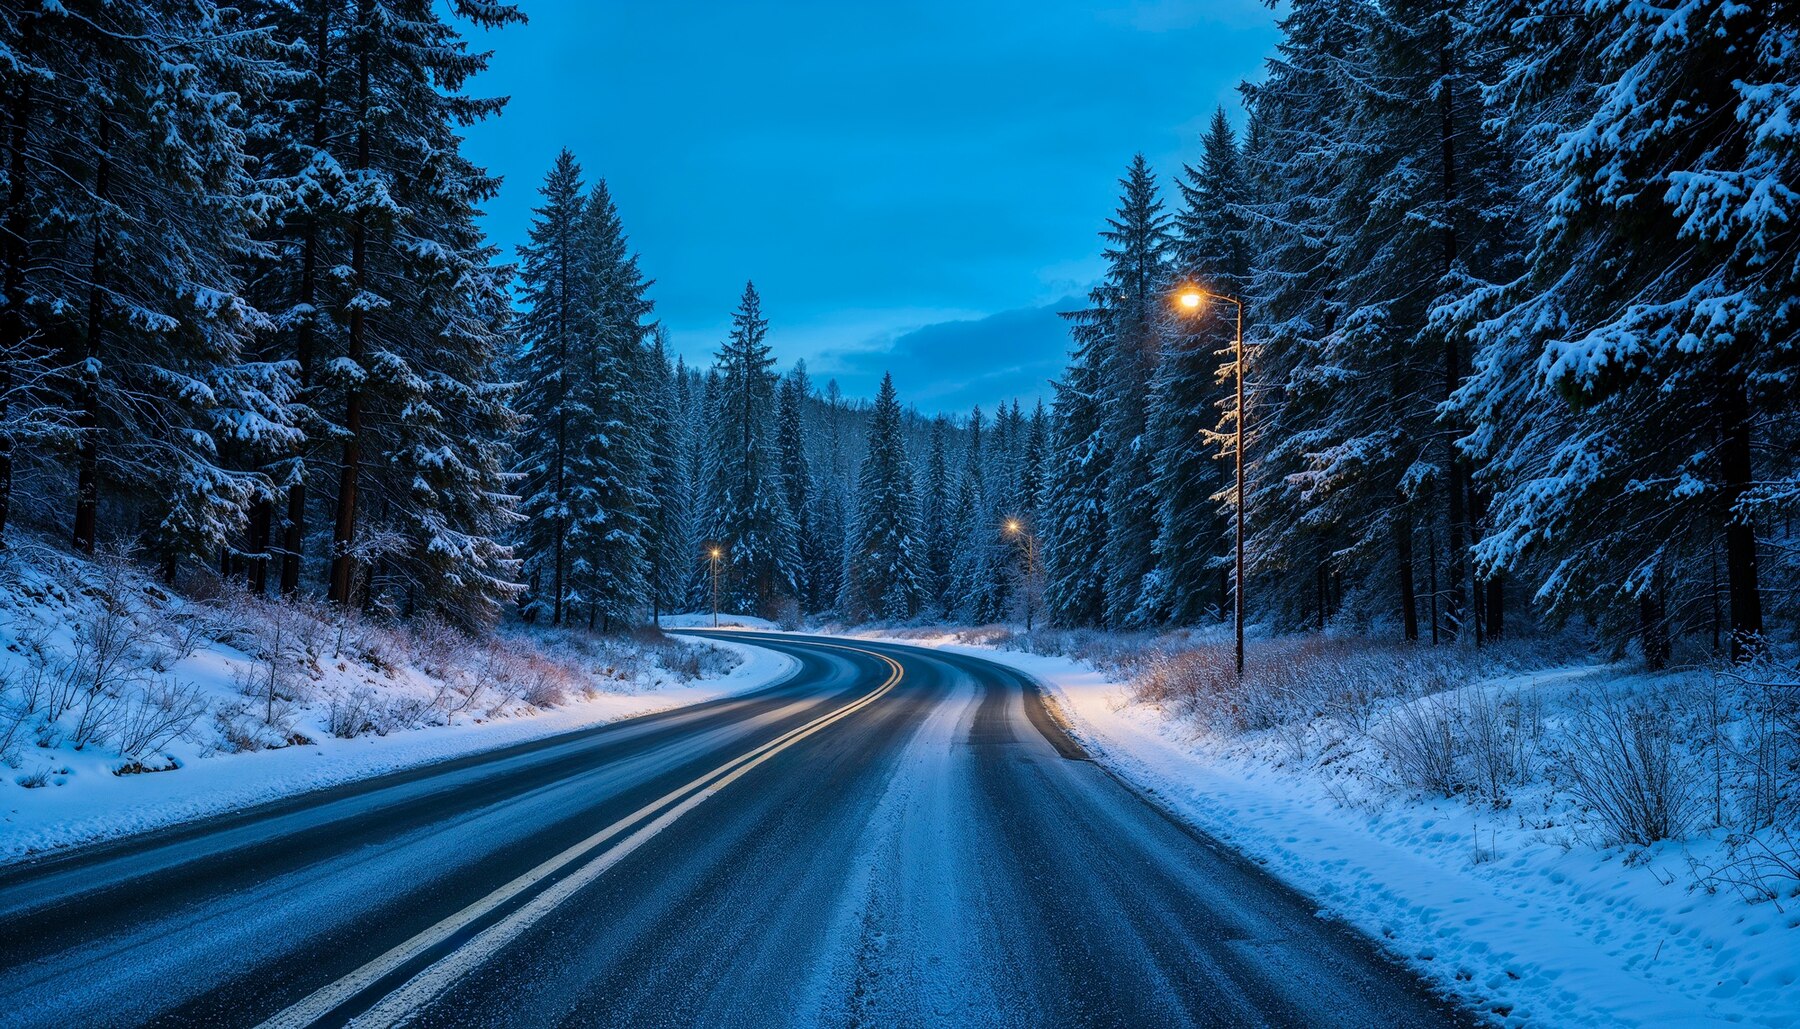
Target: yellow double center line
pixel 584 862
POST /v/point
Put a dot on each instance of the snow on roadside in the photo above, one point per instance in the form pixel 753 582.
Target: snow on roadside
pixel 92 804
pixel 1529 929
pixel 704 620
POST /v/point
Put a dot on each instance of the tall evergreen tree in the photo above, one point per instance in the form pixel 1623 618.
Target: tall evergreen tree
pixel 1212 251
pixel 549 369
pixel 935 522
pixel 797 485
pixel 610 528
pixel 1075 495
pixel 751 520
pixel 668 524
pixel 1626 389
pixel 888 555
pixel 1137 280
pixel 421 496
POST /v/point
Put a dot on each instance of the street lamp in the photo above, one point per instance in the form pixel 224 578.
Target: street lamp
pixel 713 554
pixel 1015 527
pixel 1192 299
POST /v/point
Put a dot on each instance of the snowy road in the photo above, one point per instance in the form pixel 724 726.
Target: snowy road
pixel 889 837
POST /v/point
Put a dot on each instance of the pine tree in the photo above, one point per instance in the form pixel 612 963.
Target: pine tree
pixel 1075 495
pixel 750 521
pixel 126 333
pixel 421 496
pixel 1623 389
pixel 886 563
pixel 612 459
pixel 668 525
pixel 548 367
pixel 1211 251
pixel 972 567
pixel 935 522
pixel 797 485
pixel 1137 279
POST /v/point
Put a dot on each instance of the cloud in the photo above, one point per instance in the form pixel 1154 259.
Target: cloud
pixel 951 366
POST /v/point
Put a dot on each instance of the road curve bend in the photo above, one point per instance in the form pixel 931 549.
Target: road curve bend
pixel 891 836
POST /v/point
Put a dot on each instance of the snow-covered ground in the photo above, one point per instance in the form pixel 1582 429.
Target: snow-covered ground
pixel 1510 908
pixel 704 620
pixel 124 707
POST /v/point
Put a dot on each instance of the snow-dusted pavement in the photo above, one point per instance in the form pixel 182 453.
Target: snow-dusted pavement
pixel 889 837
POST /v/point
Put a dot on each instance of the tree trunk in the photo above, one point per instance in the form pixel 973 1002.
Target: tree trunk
pixel 14 251
pixel 1654 628
pixel 343 537
pixel 1409 600
pixel 87 418
pixel 262 517
pixel 1740 532
pixel 294 537
pixel 1496 608
pixel 1457 601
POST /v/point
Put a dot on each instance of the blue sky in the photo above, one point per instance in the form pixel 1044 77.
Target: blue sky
pixel 913 186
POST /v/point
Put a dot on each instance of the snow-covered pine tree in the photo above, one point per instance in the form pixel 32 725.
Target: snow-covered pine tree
pixel 422 496
pixel 1033 461
pixel 609 530
pixel 125 314
pixel 704 480
pixel 1137 281
pixel 296 141
pixel 1212 251
pixel 750 521
pixel 547 368
pixel 797 485
pixel 1633 392
pixel 1299 156
pixel 972 554
pixel 935 520
pixel 1074 532
pixel 833 516
pixel 886 563
pixel 668 538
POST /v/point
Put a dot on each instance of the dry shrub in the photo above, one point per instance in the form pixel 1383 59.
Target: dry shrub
pixel 1422 746
pixel 1624 763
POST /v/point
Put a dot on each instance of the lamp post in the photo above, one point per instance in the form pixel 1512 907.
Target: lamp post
pixel 1015 527
pixel 713 554
pixel 1192 299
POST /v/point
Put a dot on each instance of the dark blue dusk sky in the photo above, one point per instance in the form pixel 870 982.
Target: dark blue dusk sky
pixel 913 186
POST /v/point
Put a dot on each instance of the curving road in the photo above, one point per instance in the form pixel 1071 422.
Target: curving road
pixel 890 837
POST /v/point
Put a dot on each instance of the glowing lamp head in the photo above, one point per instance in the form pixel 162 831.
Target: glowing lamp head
pixel 1012 525
pixel 1191 300
pixel 715 551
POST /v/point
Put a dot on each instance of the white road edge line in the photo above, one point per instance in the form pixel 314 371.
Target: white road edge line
pixel 431 981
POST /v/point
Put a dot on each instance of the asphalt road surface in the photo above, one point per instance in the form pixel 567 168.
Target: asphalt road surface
pixel 890 837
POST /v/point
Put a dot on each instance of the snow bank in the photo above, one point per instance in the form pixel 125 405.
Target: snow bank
pixel 1504 908
pixel 274 704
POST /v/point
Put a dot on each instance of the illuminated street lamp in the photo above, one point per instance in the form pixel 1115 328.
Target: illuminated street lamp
pixel 1192 299
pixel 713 554
pixel 1015 527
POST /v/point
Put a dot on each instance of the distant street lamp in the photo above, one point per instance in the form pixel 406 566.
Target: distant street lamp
pixel 713 554
pixel 1193 299
pixel 1015 527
